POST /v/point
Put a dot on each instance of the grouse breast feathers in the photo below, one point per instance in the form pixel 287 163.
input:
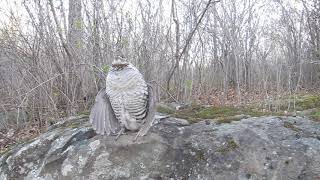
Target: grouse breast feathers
pixel 128 88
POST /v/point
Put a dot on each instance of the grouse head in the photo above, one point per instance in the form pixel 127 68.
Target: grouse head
pixel 119 64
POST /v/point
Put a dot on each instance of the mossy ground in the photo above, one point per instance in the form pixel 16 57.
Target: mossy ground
pixel 296 102
pixel 195 113
pixel 227 114
pixel 301 103
pixel 308 102
pixel 315 115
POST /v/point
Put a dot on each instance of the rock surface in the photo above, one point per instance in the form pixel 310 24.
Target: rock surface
pixel 254 148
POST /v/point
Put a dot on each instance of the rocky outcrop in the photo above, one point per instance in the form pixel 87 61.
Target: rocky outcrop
pixel 254 148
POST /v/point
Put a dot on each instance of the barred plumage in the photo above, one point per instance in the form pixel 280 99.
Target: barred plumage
pixel 128 88
pixel 127 102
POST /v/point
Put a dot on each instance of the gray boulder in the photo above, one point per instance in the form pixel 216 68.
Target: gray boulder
pixel 254 148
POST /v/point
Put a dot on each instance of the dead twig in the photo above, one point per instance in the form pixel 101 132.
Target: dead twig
pixel 165 91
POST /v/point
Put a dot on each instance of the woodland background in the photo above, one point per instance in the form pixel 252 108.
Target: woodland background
pixel 220 53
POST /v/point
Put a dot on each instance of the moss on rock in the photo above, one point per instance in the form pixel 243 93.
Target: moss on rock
pixel 229 146
pixel 224 114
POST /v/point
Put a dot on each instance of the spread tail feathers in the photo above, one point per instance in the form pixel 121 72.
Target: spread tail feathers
pixel 102 116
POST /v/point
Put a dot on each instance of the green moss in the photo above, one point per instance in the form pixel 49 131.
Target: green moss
pixel 229 146
pixel 216 112
pixel 229 114
pixel 73 124
pixel 302 102
pixel 165 110
pixel 5 150
pixel 106 68
pixel 291 126
pixel 188 113
pixel 200 155
pixel 316 115
pixel 224 114
pixel 307 102
pixel 229 119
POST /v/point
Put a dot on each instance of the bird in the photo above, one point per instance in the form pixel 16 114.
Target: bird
pixel 127 103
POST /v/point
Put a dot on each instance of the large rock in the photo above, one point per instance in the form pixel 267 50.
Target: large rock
pixel 254 148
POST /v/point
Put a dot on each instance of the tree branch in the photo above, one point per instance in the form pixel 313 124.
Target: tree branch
pixel 179 56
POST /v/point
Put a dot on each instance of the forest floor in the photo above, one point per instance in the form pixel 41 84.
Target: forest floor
pixel 300 105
